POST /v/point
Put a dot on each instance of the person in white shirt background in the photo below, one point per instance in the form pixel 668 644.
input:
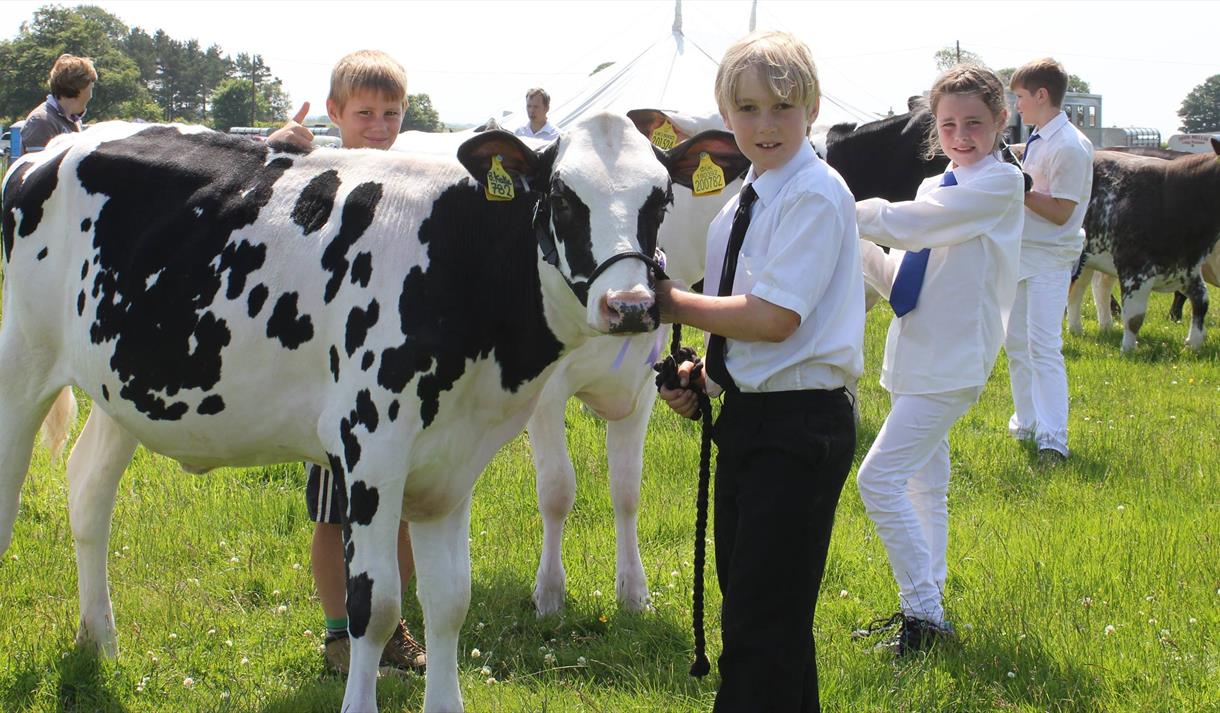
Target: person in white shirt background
pixel 537 104
pixel 787 319
pixel 1060 159
pixel 951 292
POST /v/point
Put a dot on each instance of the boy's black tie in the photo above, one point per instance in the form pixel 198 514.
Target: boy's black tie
pixel 716 367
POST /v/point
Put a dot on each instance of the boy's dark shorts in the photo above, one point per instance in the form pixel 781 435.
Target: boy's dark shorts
pixel 322 496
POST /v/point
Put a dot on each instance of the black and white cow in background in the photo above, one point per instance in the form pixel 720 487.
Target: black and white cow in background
pixel 1153 223
pixel 226 303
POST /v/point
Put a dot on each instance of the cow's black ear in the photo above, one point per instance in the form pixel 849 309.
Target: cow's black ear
pixel 516 158
pixel 683 159
pixel 1216 145
pixel 649 120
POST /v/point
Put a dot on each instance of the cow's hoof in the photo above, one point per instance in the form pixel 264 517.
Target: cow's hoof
pixel 548 600
pixel 106 645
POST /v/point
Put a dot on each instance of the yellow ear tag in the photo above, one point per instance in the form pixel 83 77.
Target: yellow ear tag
pixel 708 178
pixel 499 184
pixel 664 136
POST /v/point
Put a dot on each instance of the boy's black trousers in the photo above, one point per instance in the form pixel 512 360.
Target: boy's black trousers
pixel 782 460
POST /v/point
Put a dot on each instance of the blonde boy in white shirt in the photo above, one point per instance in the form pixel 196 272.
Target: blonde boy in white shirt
pixel 790 320
pixel 1060 159
pixel 940 351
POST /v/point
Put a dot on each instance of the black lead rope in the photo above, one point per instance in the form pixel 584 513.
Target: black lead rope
pixel 667 376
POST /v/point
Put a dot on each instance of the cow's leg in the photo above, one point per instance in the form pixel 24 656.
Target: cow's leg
pixel 1175 309
pixel 1196 291
pixel 625 452
pixel 442 576
pixel 24 402
pixel 1103 287
pixel 1135 306
pixel 98 459
pixel 1075 299
pixel 555 482
pixel 370 539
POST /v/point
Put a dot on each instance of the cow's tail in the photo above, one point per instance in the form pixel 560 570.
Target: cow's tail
pixel 57 423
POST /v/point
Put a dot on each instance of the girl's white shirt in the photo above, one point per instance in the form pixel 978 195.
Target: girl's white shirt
pixel 951 339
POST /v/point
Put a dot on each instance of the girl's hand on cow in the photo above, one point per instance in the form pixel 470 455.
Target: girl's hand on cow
pixel 684 400
pixel 294 132
pixel 664 291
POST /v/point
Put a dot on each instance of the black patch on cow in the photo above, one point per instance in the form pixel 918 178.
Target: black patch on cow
pixel 84 270
pixel 255 300
pixel 28 195
pixel 649 221
pixel 42 254
pixel 211 405
pixel 358 212
pixel 570 216
pixel 392 412
pixel 359 603
pixel 366 411
pixel 363 504
pixel 884 158
pixel 105 392
pixel 362 269
pixel 285 324
pixel 239 261
pixel 366 362
pixel 351 444
pixel 334 363
pixel 479 252
pixel 158 183
pixel 316 201
pixel 80 303
pixel 359 322
pixel 85 225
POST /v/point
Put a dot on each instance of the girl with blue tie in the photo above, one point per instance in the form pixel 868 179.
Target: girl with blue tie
pixel 951 278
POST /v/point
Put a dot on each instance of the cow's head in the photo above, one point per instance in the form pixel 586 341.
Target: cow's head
pixel 600 197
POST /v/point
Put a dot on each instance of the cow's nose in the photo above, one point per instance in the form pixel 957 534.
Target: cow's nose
pixel 630 310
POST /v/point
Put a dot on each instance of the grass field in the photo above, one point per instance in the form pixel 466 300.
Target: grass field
pixel 1093 586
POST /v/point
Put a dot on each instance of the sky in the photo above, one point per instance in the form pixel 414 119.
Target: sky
pixel 476 59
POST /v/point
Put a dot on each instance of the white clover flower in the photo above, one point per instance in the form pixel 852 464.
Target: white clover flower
pixel 479 626
pixel 542 649
pixel 673 573
pixel 475 653
pixel 172 635
pixel 223 543
pixel 1148 598
pixel 549 659
pixel 211 631
pixel 597 592
pixel 1013 674
pixel 1122 507
pixel 244 661
pixel 224 695
pixel 228 642
pixel 1109 629
pixel 1192 620
pixel 1086 602
pixel 234 559
pixel 188 682
pixel 275 593
pixel 281 609
pixel 308 632
pixel 490 680
pixel 843 594
pixel 296 565
pixel 486 671
pixel 582 661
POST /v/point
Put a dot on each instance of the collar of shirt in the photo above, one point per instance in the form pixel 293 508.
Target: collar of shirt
pixel 54 104
pixel 768 185
pixel 965 174
pixel 1053 126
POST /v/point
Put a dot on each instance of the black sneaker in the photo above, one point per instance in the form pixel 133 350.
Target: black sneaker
pixel 906 634
pixel 1050 457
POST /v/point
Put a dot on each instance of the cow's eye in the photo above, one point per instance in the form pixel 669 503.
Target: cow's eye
pixel 560 204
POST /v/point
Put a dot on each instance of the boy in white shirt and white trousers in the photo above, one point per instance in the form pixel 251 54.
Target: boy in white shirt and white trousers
pixel 1060 159
pixel 965 229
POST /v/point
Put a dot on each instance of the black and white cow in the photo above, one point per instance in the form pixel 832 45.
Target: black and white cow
pixel 227 303
pixel 1153 223
pixel 885 158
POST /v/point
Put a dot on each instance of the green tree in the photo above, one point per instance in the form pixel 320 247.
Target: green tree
pixel 235 101
pixel 420 114
pixel 85 31
pixel 1200 110
pixel 947 56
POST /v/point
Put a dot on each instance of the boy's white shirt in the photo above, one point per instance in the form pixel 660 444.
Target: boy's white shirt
pixel 951 339
pixel 801 253
pixel 1061 164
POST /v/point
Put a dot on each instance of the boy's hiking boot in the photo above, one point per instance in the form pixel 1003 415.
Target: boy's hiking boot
pixel 402 652
pixel 906 634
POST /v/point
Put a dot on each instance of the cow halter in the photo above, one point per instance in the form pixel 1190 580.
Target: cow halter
pixel 550 253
